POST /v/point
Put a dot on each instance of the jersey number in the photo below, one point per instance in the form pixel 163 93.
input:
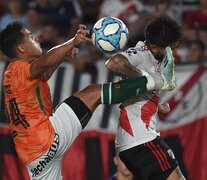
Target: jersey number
pixel 15 116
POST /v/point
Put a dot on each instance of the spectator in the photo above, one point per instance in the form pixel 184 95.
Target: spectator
pixel 167 8
pixel 193 52
pixel 90 10
pixel 157 8
pixel 43 8
pixel 3 57
pixel 88 54
pixel 126 10
pixel 34 20
pixel 202 35
pixel 122 172
pixel 15 12
pixel 50 33
pixel 1 8
pixel 46 46
pixel 67 15
pixel 196 18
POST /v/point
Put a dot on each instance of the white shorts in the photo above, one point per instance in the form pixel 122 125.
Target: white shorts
pixel 67 127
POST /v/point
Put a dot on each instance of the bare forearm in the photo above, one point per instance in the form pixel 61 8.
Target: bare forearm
pixel 55 55
pixel 120 66
pixel 50 59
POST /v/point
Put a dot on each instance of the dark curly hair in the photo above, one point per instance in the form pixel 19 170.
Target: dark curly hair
pixel 162 31
pixel 10 38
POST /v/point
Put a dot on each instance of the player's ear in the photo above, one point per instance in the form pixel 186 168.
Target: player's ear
pixel 115 160
pixel 20 48
pixel 152 47
pixel 174 45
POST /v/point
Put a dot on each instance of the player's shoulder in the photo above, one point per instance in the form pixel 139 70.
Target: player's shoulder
pixel 139 50
pixel 18 67
pixel 18 63
pixel 141 47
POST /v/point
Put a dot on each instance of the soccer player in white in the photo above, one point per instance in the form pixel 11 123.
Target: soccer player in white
pixel 140 147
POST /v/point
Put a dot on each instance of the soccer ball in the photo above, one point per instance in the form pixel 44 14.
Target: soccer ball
pixel 110 35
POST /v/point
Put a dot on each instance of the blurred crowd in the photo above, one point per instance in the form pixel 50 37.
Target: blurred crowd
pixel 55 21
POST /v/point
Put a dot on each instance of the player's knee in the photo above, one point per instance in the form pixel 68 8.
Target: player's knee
pixel 93 88
pixel 91 95
pixel 176 175
pixel 80 109
pixel 89 91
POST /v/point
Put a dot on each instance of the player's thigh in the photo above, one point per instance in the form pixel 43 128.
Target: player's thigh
pixel 69 119
pixel 176 175
pixel 152 160
pixel 165 159
pixel 48 165
pixel 91 96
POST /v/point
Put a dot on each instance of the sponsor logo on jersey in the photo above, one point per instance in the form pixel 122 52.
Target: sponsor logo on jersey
pixel 117 85
pixel 171 154
pixel 45 159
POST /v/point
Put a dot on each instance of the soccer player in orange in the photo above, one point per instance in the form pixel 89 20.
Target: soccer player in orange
pixel 41 135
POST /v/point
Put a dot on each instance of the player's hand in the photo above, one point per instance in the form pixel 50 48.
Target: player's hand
pixel 164 108
pixel 73 53
pixel 81 35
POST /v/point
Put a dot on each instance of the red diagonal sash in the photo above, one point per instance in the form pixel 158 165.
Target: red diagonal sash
pixel 185 88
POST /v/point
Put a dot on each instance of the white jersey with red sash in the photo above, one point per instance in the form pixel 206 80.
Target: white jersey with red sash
pixel 137 123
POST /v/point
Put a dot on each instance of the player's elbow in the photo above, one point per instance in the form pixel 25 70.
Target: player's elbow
pixel 112 63
pixel 109 64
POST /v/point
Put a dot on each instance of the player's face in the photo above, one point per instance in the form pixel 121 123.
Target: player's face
pixel 31 45
pixel 158 52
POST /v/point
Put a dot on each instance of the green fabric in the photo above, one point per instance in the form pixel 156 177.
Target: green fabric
pixel 40 99
pixel 117 92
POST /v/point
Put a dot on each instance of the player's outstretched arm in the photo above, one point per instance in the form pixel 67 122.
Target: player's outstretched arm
pixel 52 69
pixel 120 66
pixel 55 55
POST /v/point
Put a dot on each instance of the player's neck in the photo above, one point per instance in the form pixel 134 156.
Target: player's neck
pixel 23 58
pixel 17 59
